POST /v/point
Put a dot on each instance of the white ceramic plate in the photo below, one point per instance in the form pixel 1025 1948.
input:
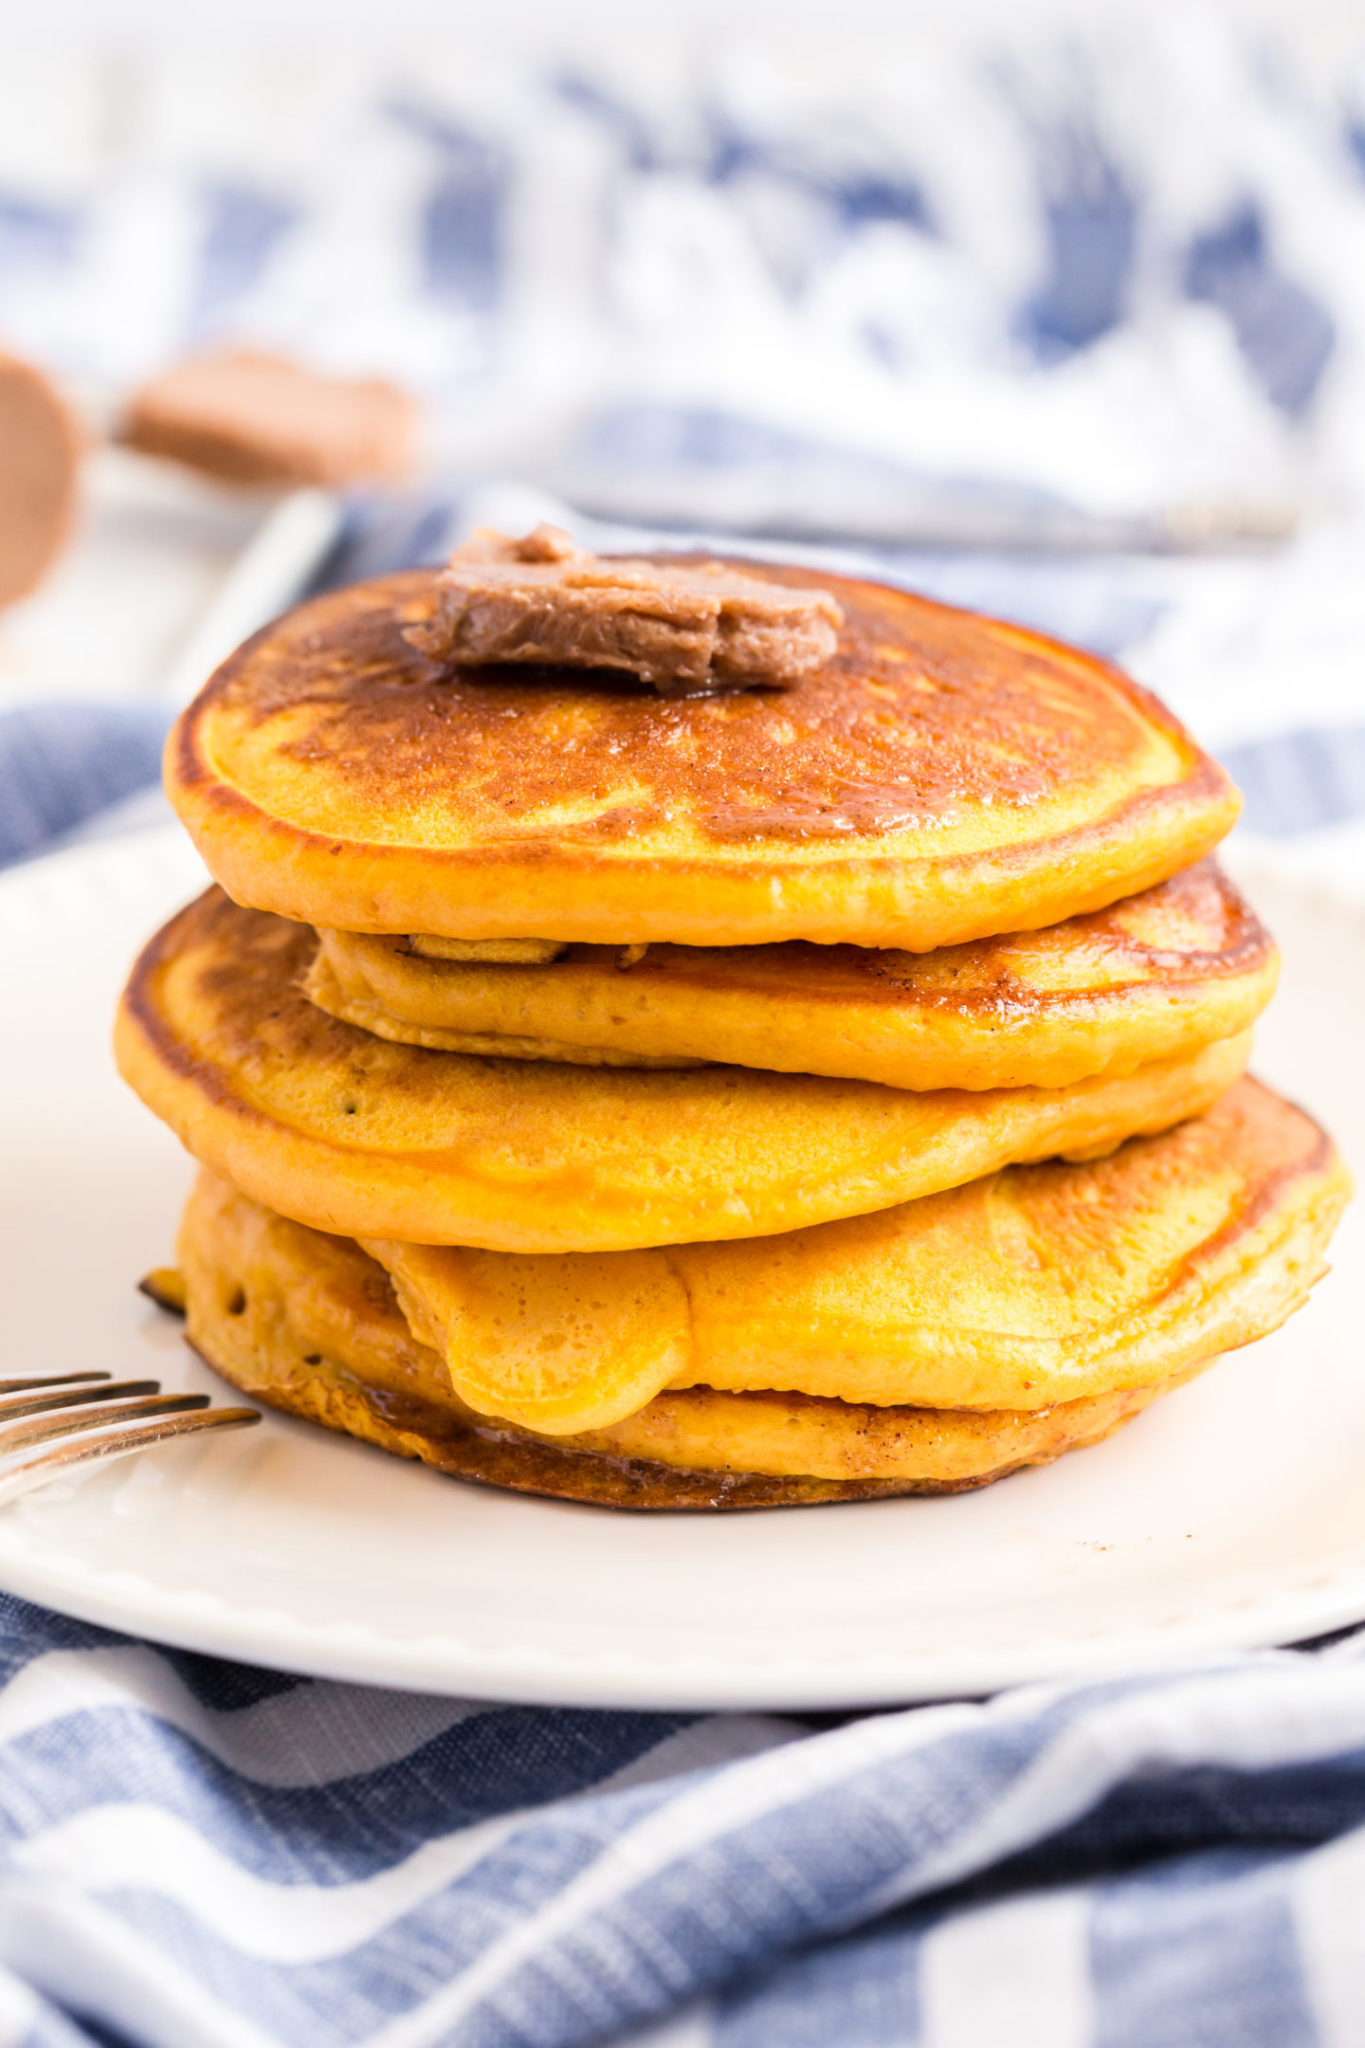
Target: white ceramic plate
pixel 1231 1514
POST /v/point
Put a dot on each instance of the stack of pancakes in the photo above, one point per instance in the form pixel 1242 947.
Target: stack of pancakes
pixel 764 1096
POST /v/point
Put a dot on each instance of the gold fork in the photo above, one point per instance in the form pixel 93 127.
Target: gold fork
pixel 108 1418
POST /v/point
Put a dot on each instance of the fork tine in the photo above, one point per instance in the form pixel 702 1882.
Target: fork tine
pixel 77 1397
pixel 50 1379
pixel 21 1436
pixel 118 1444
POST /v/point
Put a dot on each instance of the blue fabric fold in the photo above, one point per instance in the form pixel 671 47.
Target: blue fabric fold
pixel 61 764
pixel 1174 1858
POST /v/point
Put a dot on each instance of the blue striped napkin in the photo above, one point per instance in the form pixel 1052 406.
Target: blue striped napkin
pixel 197 1855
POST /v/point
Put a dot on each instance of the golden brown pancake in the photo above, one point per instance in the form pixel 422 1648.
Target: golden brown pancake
pixel 312 1324
pixel 1178 966
pixel 943 778
pixel 309 1324
pixel 351 1133
pixel 1032 1286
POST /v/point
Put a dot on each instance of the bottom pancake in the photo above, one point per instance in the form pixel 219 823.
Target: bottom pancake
pixel 1031 1287
pixel 309 1323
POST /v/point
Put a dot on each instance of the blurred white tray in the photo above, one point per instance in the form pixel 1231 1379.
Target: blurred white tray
pixel 1231 1514
pixel 165 574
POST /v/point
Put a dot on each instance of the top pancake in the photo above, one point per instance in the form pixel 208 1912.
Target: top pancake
pixel 945 777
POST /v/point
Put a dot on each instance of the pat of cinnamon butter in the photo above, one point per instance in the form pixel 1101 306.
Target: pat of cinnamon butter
pixel 678 625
